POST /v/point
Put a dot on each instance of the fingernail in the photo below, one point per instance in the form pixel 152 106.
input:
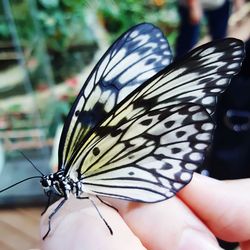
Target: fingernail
pixel 195 240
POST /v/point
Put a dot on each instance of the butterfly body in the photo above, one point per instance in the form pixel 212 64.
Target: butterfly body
pixel 61 185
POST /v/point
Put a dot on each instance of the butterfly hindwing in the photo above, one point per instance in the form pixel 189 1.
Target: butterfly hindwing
pixel 134 57
pixel 147 157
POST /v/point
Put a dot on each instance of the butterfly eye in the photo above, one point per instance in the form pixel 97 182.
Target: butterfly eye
pixel 44 183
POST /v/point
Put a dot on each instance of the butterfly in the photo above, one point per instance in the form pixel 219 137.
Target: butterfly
pixel 141 123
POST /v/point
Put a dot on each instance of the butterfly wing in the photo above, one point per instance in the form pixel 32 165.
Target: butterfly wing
pixel 134 57
pixel 148 147
pixel 145 157
pixel 200 76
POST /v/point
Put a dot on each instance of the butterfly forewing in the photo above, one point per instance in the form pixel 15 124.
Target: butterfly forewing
pixel 136 56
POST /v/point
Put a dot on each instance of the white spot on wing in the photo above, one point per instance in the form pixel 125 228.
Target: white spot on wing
pixel 199 116
pixel 165 61
pixel 190 166
pixel 207 126
pixel 164 46
pixel 232 66
pixel 221 82
pixel 177 185
pixel 207 100
pixel 193 108
pixel 134 33
pixel 158 34
pixel 203 136
pixel 215 90
pixel 237 53
pixel 185 176
pixel 200 146
pixel 207 51
pixel 195 156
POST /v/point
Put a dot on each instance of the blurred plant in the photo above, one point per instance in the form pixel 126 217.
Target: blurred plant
pixel 63 29
pixel 63 23
pixel 118 16
pixel 56 27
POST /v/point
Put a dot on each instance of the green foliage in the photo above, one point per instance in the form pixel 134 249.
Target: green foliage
pixel 64 30
pixel 63 24
pixel 118 16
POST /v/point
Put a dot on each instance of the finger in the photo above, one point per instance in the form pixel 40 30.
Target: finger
pixel 166 225
pixel 223 205
pixel 77 225
pixel 245 245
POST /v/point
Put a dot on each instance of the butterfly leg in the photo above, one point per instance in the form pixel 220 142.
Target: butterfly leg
pixel 107 204
pixel 48 202
pixel 106 223
pixel 52 214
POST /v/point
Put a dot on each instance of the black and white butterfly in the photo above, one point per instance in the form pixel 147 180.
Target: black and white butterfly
pixel 136 134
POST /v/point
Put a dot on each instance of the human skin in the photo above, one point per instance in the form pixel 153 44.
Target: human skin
pixel 206 208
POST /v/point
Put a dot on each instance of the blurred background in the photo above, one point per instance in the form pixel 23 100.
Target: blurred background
pixel 47 50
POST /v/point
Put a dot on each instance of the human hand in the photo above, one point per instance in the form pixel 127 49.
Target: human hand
pixel 202 210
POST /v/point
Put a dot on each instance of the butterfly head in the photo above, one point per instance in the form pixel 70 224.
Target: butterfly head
pixel 55 183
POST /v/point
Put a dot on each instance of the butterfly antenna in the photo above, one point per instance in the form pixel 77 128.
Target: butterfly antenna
pixel 32 164
pixel 32 177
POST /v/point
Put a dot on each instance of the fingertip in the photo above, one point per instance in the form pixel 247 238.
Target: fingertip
pixel 222 205
pixel 196 240
pixel 245 245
